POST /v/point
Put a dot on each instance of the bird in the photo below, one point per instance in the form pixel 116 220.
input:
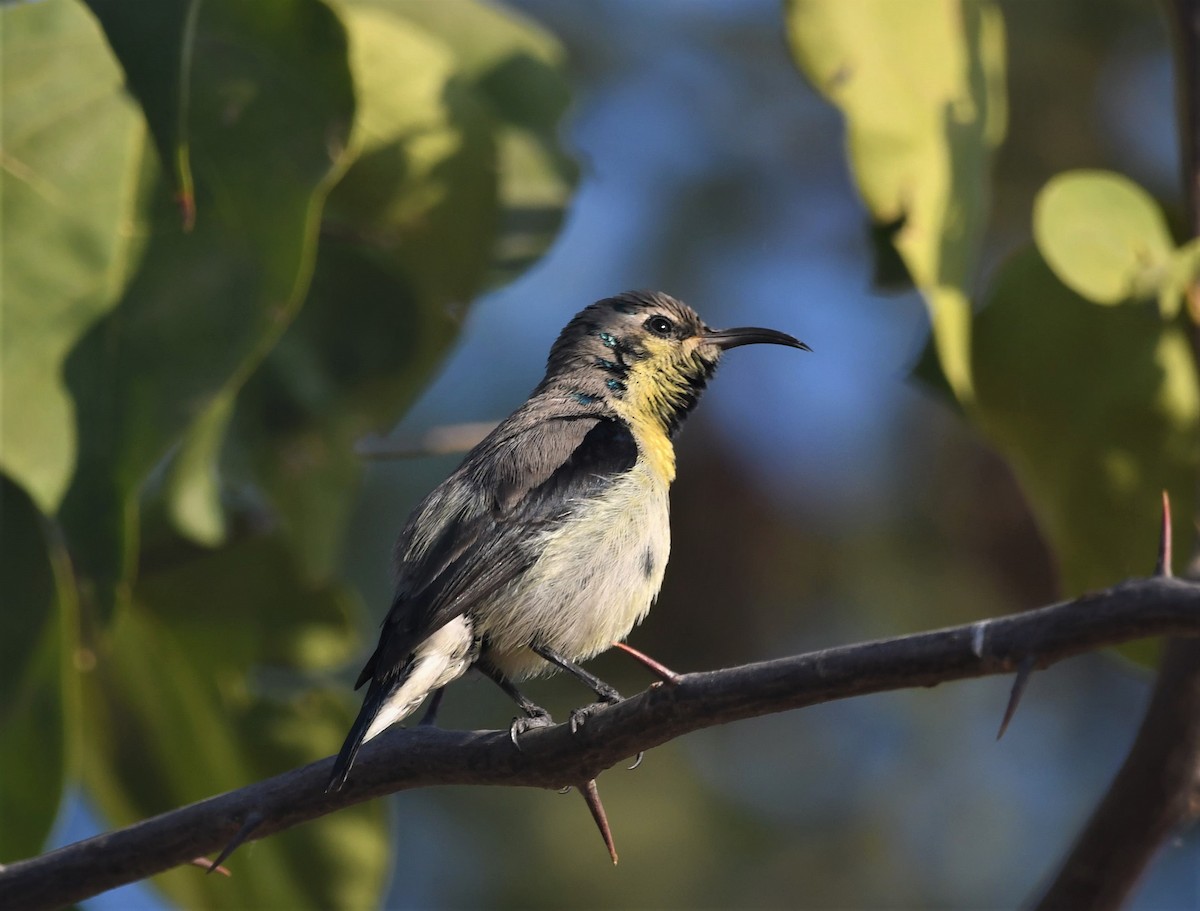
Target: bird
pixel 548 543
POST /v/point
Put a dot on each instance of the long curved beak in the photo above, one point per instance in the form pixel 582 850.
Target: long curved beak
pixel 751 335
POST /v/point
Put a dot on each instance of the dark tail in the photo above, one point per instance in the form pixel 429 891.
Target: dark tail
pixel 372 703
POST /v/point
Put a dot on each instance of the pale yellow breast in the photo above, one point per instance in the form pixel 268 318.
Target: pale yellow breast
pixel 596 578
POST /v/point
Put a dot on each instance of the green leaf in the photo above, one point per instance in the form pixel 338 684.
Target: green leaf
pixel 1103 235
pixel 516 72
pixel 205 684
pixel 411 235
pixel 72 147
pixel 921 85
pixel 269 106
pixel 406 235
pixel 1182 282
pixel 422 193
pixel 246 604
pixel 155 47
pixel 194 484
pixel 1098 411
pixel 33 699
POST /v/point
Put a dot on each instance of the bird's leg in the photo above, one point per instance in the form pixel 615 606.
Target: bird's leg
pixel 435 703
pixel 605 692
pixel 535 715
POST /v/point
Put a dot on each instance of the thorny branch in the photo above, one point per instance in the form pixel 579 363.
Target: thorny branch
pixel 1154 794
pixel 1157 790
pixel 553 757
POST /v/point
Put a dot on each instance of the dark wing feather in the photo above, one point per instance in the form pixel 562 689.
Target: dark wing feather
pixel 469 538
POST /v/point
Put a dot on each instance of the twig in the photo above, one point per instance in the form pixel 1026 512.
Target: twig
pixel 446 439
pixel 551 757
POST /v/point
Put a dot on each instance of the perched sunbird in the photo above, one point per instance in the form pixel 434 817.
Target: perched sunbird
pixel 549 542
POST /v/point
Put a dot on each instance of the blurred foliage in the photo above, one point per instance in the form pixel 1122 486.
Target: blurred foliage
pixel 33 723
pixel 922 87
pixel 1092 447
pixel 1097 411
pixel 237 236
pixel 1103 236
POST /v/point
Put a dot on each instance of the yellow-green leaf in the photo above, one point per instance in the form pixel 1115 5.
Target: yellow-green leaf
pixel 1183 282
pixel 921 84
pixel 412 233
pixel 1103 235
pixel 72 146
pixel 516 70
pixel 1098 411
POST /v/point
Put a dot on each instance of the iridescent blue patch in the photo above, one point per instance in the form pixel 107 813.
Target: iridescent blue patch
pixel 610 340
pixel 584 399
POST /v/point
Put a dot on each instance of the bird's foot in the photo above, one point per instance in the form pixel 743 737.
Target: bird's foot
pixel 521 725
pixel 607 694
pixel 580 716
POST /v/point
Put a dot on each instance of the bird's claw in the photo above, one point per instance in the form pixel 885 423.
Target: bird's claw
pixel 521 725
pixel 580 716
pixel 609 696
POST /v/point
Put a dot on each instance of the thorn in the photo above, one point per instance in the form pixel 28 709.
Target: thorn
pixel 209 866
pixel 668 676
pixel 446 439
pixel 592 795
pixel 253 821
pixel 637 760
pixel 1024 670
pixel 186 202
pixel 1163 567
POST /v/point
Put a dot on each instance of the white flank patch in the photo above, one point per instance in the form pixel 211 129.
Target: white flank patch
pixel 438 660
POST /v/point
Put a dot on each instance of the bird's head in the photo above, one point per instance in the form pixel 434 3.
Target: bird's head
pixel 645 355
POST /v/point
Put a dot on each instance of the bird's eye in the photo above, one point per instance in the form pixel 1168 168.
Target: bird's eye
pixel 660 326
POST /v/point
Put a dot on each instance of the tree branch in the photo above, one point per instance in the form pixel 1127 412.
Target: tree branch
pixel 1155 793
pixel 1157 790
pixel 1150 798
pixel 553 757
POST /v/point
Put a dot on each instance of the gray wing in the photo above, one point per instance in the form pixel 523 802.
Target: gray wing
pixel 471 536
